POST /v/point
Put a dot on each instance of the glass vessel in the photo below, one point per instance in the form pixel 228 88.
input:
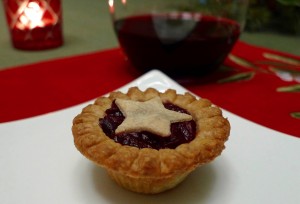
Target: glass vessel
pixel 34 24
pixel 179 37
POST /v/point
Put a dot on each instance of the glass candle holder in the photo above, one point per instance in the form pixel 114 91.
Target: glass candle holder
pixel 34 24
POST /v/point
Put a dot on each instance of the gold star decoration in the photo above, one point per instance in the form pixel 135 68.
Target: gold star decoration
pixel 149 116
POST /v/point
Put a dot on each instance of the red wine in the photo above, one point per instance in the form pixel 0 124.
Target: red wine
pixel 180 44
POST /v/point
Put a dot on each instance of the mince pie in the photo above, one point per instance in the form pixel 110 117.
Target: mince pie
pixel 150 141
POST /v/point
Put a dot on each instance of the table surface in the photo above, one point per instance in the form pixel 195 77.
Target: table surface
pixel 87 28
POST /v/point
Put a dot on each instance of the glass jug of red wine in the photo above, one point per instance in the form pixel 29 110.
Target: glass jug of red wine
pixel 179 37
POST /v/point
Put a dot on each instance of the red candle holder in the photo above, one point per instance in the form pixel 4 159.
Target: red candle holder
pixel 34 24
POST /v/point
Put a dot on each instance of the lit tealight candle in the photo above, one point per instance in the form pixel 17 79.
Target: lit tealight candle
pixel 31 16
pixel 34 24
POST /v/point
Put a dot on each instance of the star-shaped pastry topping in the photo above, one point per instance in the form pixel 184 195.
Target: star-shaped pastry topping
pixel 149 116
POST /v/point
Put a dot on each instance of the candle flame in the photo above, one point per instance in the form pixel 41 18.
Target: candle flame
pixel 31 16
pixel 111 6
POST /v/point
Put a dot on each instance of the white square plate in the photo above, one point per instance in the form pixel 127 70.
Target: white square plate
pixel 40 165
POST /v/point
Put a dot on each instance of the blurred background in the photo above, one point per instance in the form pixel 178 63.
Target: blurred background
pixel 87 28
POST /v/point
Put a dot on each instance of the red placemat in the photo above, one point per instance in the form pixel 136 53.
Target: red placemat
pixel 258 84
pixel 40 88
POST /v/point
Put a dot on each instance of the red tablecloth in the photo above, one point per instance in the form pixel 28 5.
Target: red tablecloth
pixel 256 83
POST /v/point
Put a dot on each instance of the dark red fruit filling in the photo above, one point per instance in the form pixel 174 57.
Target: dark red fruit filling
pixel 181 132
